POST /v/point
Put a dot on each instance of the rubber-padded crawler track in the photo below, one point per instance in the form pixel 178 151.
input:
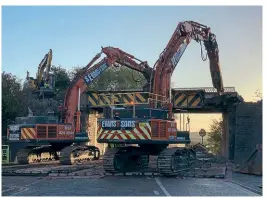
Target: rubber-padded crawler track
pixel 166 165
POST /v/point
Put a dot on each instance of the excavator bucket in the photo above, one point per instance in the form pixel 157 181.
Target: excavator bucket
pixel 254 163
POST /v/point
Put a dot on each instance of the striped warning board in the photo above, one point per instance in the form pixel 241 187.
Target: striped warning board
pixel 140 132
pixel 27 133
pixel 98 99
pixel 93 99
pixel 187 100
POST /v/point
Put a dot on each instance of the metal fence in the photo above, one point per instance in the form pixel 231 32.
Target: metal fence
pixel 5 154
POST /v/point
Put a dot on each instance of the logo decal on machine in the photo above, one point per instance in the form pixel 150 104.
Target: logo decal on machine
pixel 177 56
pixel 95 73
pixel 117 124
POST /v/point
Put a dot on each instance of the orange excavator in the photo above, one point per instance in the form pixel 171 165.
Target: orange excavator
pixel 150 124
pixel 41 138
pixel 152 127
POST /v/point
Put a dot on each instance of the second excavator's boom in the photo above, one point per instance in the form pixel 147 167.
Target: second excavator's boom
pixel 44 64
pixel 169 58
pixel 88 74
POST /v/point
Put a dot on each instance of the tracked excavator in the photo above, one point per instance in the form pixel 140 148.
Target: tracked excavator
pixel 149 128
pixel 44 138
pixel 43 85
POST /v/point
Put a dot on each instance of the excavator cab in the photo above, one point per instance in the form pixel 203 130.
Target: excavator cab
pixel 42 89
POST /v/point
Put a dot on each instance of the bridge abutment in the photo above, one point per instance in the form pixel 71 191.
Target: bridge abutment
pixel 228 133
pixel 92 130
pixel 242 131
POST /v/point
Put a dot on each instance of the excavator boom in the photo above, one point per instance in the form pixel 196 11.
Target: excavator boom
pixel 169 58
pixel 150 124
pixel 89 73
pixel 44 64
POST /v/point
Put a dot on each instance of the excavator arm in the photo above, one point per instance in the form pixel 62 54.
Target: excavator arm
pixel 88 74
pixel 169 58
pixel 44 64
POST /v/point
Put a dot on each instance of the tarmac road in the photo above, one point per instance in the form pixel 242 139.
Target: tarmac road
pixel 121 186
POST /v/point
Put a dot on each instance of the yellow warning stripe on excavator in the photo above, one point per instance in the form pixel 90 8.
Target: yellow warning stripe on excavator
pixel 140 97
pixel 27 133
pixel 141 132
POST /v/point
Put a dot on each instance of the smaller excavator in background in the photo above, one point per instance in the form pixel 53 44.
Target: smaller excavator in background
pixel 44 83
pixel 149 125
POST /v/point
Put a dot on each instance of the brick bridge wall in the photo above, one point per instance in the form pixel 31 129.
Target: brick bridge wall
pixel 89 124
pixel 248 130
pixel 92 131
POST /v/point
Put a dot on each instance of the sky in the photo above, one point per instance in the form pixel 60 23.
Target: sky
pixel 76 34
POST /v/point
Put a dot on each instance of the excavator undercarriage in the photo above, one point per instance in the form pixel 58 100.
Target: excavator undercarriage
pixel 152 126
pixel 170 161
pixel 67 156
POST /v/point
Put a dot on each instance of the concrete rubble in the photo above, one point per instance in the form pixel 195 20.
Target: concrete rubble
pixel 206 164
pixel 49 170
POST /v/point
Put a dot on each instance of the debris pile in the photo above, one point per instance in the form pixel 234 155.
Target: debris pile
pixel 206 164
pixel 253 165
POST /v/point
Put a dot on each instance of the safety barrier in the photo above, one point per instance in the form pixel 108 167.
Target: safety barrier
pixel 133 98
pixel 5 154
pixel 187 98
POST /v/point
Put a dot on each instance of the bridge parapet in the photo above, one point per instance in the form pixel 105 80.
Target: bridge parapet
pixel 127 98
pixel 206 89
pixel 182 98
pixel 196 97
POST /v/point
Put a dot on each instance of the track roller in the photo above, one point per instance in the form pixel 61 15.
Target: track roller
pixel 73 154
pixel 36 155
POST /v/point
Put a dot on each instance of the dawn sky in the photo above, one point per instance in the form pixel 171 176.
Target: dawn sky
pixel 76 34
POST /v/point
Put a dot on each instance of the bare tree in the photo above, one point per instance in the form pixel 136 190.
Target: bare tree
pixel 258 95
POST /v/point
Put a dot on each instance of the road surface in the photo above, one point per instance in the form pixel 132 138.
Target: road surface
pixel 125 186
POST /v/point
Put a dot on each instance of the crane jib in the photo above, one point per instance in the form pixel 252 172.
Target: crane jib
pixel 95 73
pixel 177 56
